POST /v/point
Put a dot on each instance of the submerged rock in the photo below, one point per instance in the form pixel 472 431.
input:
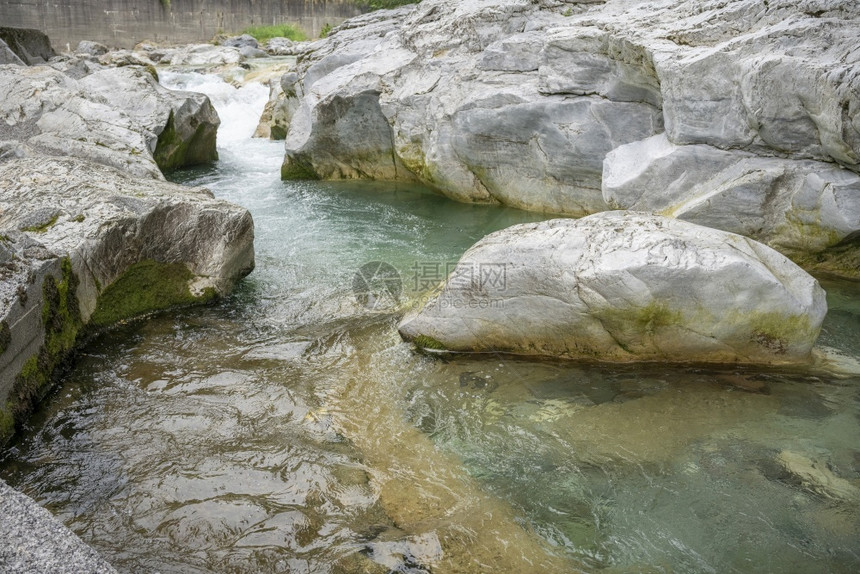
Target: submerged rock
pixel 119 117
pixel 814 475
pixel 624 287
pixel 84 245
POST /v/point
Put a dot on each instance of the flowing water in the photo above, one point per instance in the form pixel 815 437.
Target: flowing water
pixel 288 429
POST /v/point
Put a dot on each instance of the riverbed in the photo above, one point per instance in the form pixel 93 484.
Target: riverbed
pixel 288 429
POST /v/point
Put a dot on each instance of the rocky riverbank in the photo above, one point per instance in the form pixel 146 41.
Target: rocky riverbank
pixel 741 116
pixel 90 233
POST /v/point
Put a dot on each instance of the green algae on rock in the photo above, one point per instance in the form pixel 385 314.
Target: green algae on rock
pixel 298 168
pixel 147 286
pixel 61 322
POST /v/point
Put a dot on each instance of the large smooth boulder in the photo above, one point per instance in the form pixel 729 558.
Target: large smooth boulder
pixel 477 112
pixel 117 58
pixel 86 245
pixel 47 112
pixel 282 47
pixel 241 41
pixel 524 103
pixel 807 209
pixel 119 117
pixel 185 123
pixel 786 83
pixel 91 48
pixel 30 45
pixel 624 286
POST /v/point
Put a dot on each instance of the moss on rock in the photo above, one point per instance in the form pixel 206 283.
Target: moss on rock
pixel 145 287
pixel 7 424
pixel 42 227
pixel 298 168
pixel 278 132
pixel 173 152
pixel 646 320
pixel 428 342
pixel 5 336
pixel 776 331
pixel 842 259
pixel 61 318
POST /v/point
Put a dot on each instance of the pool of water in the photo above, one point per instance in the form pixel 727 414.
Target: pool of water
pixel 288 429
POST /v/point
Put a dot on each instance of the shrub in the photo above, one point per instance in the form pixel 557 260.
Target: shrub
pixel 385 4
pixel 265 33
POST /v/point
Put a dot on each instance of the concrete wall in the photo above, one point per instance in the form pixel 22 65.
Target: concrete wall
pixel 123 23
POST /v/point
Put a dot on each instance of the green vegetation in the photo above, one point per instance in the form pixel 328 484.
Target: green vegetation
pixel 298 169
pixel 61 318
pixel 427 342
pixel 266 33
pixel 79 218
pixel 146 286
pixel 774 331
pixel 5 336
pixel 152 71
pixel 384 4
pixel 7 424
pixel 42 228
pixel 325 31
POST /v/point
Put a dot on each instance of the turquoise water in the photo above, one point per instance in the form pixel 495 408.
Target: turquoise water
pixel 288 429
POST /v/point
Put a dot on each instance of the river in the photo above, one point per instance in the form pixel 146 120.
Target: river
pixel 288 429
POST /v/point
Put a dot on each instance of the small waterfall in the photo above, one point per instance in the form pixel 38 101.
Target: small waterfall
pixel 239 108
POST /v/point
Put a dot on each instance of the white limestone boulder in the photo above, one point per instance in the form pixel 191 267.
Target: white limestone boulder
pixel 624 286
pixel 119 117
pixel 807 209
pixel 185 123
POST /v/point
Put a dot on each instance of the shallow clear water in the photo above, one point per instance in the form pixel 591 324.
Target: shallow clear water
pixel 287 428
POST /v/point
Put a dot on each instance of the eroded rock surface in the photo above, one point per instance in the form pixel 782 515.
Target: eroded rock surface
pixel 624 286
pixel 530 104
pixel 119 117
pixel 805 208
pixel 35 541
pixel 84 244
